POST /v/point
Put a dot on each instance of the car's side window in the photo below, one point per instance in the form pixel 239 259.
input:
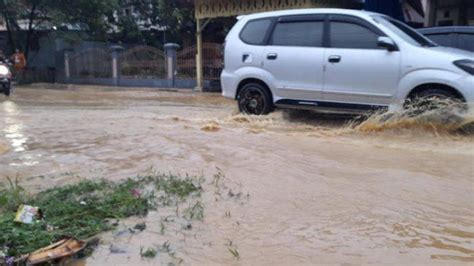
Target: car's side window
pixel 298 33
pixel 466 41
pixel 352 36
pixel 255 31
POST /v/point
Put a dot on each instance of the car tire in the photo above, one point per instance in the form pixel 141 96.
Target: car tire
pixel 434 99
pixel 255 99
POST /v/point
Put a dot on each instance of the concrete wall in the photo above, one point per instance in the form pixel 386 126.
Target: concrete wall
pixel 449 13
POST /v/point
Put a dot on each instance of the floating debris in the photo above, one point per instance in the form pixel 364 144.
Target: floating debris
pixel 56 252
pixel 211 127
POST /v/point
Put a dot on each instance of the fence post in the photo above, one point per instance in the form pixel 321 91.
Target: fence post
pixel 115 64
pixel 171 64
pixel 67 67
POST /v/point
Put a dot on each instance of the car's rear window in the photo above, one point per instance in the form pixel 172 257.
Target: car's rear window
pixel 255 31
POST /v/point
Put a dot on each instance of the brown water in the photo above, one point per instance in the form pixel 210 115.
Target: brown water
pixel 320 189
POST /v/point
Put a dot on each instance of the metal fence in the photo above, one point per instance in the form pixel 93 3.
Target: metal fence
pixel 91 63
pixel 212 61
pixel 142 62
pixel 141 66
pixel 32 75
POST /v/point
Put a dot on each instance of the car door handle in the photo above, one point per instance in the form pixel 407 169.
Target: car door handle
pixel 335 59
pixel 272 56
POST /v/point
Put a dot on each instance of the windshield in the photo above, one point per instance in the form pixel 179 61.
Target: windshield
pixel 404 31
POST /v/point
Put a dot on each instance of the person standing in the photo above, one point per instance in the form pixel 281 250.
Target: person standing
pixel 19 64
pixel 19 60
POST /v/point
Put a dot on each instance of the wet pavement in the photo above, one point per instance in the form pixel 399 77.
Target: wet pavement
pixel 318 190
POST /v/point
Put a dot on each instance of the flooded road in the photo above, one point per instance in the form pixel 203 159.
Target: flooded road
pixel 318 191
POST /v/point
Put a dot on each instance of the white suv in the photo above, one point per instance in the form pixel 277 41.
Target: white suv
pixel 338 60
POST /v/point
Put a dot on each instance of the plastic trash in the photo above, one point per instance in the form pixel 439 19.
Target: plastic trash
pixel 28 214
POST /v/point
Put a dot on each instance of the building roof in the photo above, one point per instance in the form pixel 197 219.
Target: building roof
pixel 228 8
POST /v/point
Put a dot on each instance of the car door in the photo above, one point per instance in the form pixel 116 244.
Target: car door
pixel 357 70
pixel 295 57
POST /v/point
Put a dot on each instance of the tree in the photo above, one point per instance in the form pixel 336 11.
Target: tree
pixel 9 12
pixel 90 15
pixel 94 16
pixel 99 18
pixel 145 16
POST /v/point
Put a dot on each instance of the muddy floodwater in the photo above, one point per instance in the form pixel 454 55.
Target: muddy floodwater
pixel 316 190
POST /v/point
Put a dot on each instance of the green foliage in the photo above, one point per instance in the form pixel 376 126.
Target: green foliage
pixel 76 210
pixel 148 253
pixel 13 196
pixel 92 16
pixel 82 210
pixel 234 252
pixel 176 186
pixel 126 21
pixel 150 18
pixel 195 212
pixel 232 249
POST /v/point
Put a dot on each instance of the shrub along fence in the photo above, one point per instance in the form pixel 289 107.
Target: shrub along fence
pixel 142 66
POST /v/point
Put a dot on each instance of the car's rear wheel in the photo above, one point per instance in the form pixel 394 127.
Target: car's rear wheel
pixel 434 99
pixel 255 99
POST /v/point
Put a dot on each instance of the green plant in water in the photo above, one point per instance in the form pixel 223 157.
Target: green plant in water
pixel 12 196
pixel 195 212
pixel 76 210
pixel 234 252
pixel 232 249
pixel 148 253
pixel 82 210
pixel 175 186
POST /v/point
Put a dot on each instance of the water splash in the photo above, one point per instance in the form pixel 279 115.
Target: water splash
pixel 449 119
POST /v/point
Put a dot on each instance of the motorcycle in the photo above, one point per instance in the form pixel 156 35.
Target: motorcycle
pixel 5 77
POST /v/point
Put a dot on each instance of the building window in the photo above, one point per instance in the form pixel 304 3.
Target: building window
pixel 447 14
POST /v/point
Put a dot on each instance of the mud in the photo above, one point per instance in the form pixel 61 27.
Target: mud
pixel 320 188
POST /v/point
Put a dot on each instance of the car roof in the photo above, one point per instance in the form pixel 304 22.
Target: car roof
pixel 304 11
pixel 452 29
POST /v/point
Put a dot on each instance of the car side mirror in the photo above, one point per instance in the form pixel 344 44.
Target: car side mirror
pixel 387 43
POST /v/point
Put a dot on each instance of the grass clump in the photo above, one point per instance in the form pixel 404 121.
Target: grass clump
pixel 232 249
pixel 194 212
pixel 78 210
pixel 148 253
pixel 175 186
pixel 82 210
pixel 13 195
